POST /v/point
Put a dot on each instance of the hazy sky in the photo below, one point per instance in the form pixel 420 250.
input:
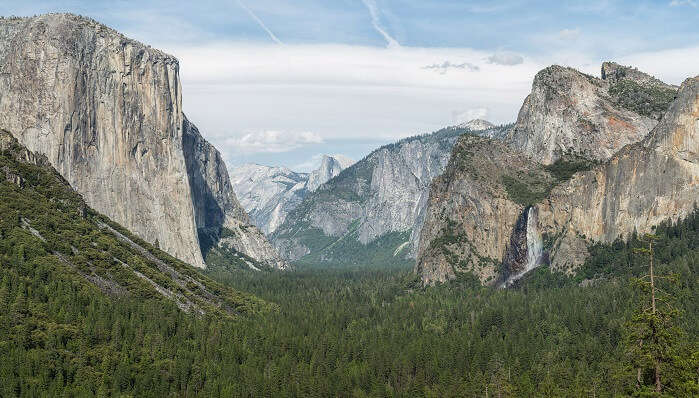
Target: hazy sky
pixel 280 82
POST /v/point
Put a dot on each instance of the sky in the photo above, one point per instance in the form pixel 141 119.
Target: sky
pixel 282 82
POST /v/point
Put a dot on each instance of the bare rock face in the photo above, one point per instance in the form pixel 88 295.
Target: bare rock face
pixel 641 186
pixel 569 112
pixel 498 211
pixel 373 206
pixel 220 219
pixel 107 113
pixel 470 217
pixel 330 166
pixel 269 193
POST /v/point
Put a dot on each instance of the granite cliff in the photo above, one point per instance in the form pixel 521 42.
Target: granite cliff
pixel 107 113
pixel 269 193
pixel 644 184
pixel 616 110
pixel 553 186
pixel 373 210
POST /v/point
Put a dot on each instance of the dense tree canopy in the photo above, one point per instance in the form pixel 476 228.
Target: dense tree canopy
pixel 363 331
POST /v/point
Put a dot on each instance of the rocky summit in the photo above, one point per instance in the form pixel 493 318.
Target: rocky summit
pixel 554 186
pixel 269 193
pixel 107 113
pixel 569 112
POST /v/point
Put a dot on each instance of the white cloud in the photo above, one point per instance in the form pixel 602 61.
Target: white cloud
pixel 676 3
pixel 340 91
pixel 459 117
pixel 444 67
pixel 569 34
pixel 505 58
pixel 671 66
pixel 368 94
pixel 273 141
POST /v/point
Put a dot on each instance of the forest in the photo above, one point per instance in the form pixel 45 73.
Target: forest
pixel 78 318
pixel 351 332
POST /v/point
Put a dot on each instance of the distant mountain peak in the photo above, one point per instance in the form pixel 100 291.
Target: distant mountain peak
pixel 269 193
pixel 345 161
pixel 476 124
pixel 330 166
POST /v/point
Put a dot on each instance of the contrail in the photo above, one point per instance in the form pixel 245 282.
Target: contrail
pixel 375 21
pixel 259 22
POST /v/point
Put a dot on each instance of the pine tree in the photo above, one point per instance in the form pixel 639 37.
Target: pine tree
pixel 653 340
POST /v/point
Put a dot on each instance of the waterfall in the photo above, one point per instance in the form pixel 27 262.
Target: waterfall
pixel 534 244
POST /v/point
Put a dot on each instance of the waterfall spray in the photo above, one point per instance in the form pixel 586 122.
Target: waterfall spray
pixel 534 246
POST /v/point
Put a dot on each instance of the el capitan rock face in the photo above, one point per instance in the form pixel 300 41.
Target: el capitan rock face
pixel 107 113
pixel 502 213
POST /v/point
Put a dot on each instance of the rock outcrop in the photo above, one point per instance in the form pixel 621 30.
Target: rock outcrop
pixel 330 166
pixel 107 113
pixel 375 206
pixel 471 216
pixel 643 185
pixel 220 219
pixel 569 112
pixel 476 125
pixel 268 193
pixel 497 214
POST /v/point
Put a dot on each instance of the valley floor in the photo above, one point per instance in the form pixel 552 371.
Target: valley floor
pixel 351 332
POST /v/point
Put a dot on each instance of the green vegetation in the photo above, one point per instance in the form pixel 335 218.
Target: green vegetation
pixel 222 255
pixel 648 100
pixel 361 331
pixel 564 168
pixel 43 222
pixel 383 335
pixel 526 191
pixel 532 187
pixel 348 251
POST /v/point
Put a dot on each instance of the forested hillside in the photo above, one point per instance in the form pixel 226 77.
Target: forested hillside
pixel 82 299
pixel 345 332
pixel 375 332
pixel 89 309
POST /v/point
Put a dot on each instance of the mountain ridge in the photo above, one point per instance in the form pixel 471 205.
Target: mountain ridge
pixel 107 112
pixel 269 193
pixel 374 206
pixel 49 224
pixel 543 212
